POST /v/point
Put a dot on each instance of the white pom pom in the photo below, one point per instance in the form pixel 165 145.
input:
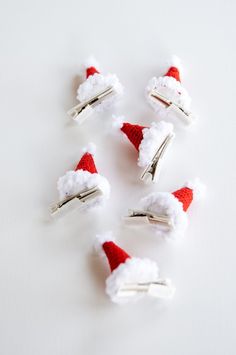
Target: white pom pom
pixel 174 61
pixel 91 148
pixel 100 239
pixel 91 62
pixel 199 189
pixel 118 121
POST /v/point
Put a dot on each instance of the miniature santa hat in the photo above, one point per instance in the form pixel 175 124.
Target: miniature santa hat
pixel 126 270
pixel 97 83
pixel 173 205
pixel 169 85
pixel 84 176
pixel 146 140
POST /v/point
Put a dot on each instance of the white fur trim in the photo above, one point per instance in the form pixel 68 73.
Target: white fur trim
pixel 91 62
pixel 75 181
pixel 91 148
pixel 172 89
pixel 97 83
pixel 199 189
pixel 153 137
pixel 132 271
pixel 165 203
pixel 100 239
pixel 118 121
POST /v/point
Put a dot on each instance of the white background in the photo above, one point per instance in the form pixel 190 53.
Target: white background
pixel 51 285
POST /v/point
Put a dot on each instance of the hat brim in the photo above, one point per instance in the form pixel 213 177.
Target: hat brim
pixel 164 203
pixel 134 270
pixel 75 181
pixel 96 84
pixel 170 88
pixel 153 137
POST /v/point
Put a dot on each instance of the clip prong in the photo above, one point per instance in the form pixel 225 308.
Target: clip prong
pixel 160 289
pixel 81 111
pixel 185 115
pixel 80 198
pixel 149 217
pixel 151 169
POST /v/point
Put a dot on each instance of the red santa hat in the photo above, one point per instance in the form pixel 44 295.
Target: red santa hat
pixel 84 176
pixel 169 85
pixel 125 270
pixel 146 140
pixel 96 83
pixel 173 205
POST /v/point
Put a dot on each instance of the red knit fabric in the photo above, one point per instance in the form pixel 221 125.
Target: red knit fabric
pixel 87 163
pixel 184 195
pixel 134 133
pixel 91 71
pixel 115 255
pixel 174 72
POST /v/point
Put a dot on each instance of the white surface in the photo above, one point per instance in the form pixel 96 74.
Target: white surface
pixel 52 287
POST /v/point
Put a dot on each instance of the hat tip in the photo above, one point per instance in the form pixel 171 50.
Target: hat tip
pixel 199 189
pixel 100 239
pixel 118 121
pixel 90 148
pixel 91 62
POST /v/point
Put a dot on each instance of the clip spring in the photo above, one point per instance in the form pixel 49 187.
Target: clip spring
pixel 84 109
pixel 187 116
pixel 149 217
pixel 151 169
pixel 82 197
pixel 160 289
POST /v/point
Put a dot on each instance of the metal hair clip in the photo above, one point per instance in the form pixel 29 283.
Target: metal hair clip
pixel 81 111
pixel 73 201
pixel 152 169
pixel 160 289
pixel 178 110
pixel 146 217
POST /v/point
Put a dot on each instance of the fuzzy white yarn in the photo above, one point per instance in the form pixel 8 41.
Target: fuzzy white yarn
pixel 100 239
pixel 164 203
pixel 118 121
pixel 75 181
pixel 90 148
pixel 134 270
pixel 199 189
pixel 153 137
pixel 97 83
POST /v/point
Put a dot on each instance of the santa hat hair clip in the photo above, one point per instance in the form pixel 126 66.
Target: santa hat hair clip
pixel 150 142
pixel 167 96
pixel 83 186
pixel 165 211
pixel 131 278
pixel 97 93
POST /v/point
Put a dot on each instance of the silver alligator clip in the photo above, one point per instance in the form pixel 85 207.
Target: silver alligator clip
pixel 80 198
pixel 159 289
pixel 146 217
pixel 173 107
pixel 81 111
pixel 152 169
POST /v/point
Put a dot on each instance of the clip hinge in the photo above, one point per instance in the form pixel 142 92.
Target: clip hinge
pixel 151 169
pixel 81 111
pixel 187 116
pixel 160 289
pixel 81 198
